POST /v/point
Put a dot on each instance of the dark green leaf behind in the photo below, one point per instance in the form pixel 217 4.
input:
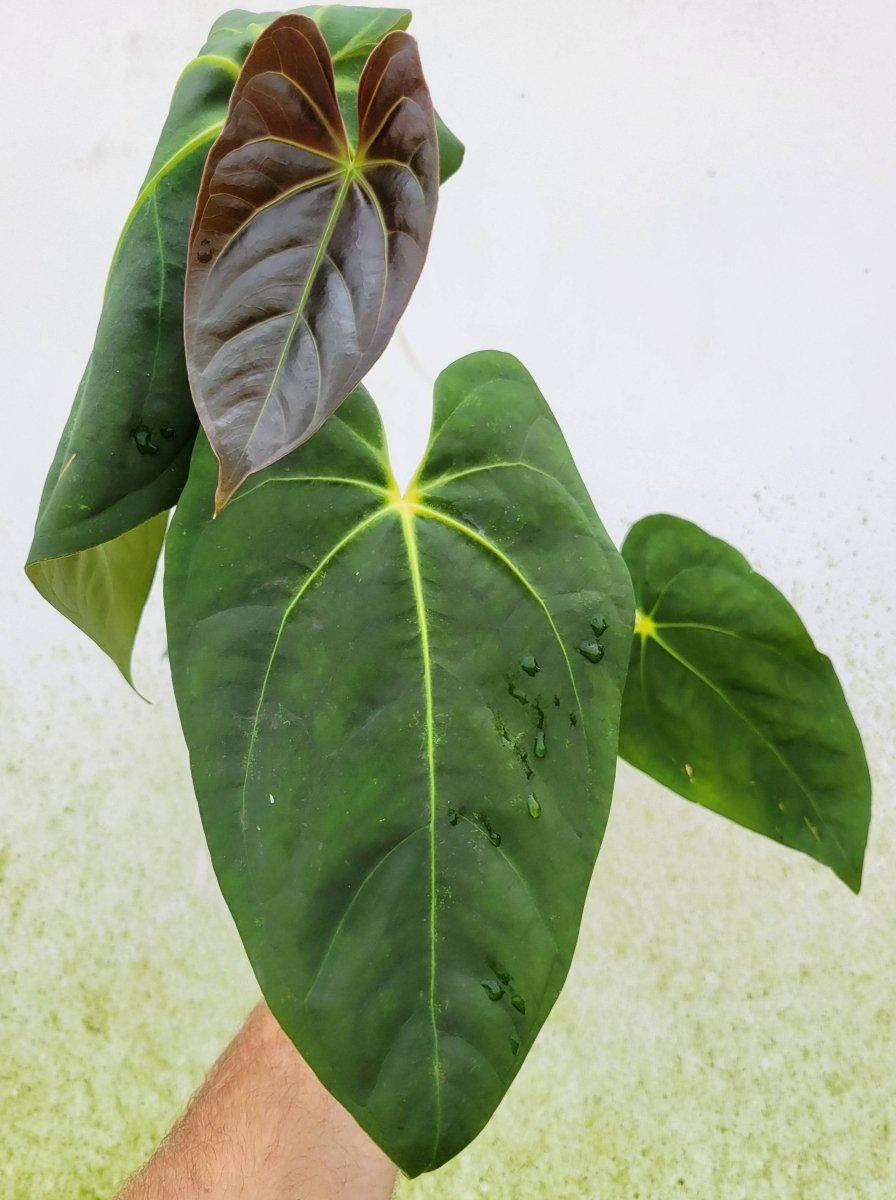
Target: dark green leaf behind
pixel 124 453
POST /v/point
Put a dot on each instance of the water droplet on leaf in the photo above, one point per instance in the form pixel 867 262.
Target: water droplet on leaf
pixel 204 253
pixel 529 665
pixel 142 436
pixel 452 815
pixel 533 806
pixel 539 743
pixel 514 1046
pixel 599 624
pixel 493 989
pixel 482 819
pixel 167 431
pixel 593 651
pixel 518 1003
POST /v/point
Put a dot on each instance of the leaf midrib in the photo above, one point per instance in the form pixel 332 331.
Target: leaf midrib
pixel 323 243
pixel 410 537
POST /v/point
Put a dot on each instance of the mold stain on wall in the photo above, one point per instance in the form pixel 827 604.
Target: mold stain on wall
pixel 726 1030
pixel 122 977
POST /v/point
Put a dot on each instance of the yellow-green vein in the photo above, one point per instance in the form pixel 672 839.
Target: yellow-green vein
pixel 582 517
pixel 359 483
pixel 410 537
pixel 306 185
pixel 204 135
pixel 429 484
pixel 434 514
pixel 325 237
pixel 707 629
pixel 338 135
pixel 707 682
pixel 214 60
pixel 369 140
pixel 161 299
pixel 377 866
pixel 378 208
pixel 356 45
pixel 314 151
pixel 309 580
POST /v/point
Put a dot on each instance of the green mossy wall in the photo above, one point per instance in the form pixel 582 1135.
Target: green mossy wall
pixel 727 1030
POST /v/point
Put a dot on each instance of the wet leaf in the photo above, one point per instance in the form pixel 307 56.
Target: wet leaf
pixel 406 871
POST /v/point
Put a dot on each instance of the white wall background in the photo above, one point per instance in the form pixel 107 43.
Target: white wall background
pixel 680 216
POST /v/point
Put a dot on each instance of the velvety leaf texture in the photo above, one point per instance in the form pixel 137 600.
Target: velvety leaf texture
pixel 305 250
pixel 123 456
pixel 729 703
pixel 402 721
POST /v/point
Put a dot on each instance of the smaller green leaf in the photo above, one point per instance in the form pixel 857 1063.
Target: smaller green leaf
pixel 729 703
pixel 305 248
pixel 451 150
pixel 102 589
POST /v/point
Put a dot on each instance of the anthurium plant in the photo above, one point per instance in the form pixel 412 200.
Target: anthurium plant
pixel 403 709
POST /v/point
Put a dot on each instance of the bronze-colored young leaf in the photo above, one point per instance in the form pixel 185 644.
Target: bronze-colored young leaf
pixel 729 703
pixel 304 249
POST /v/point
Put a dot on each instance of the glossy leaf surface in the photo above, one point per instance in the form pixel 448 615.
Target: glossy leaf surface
pixel 125 450
pixel 729 703
pixel 402 721
pixel 305 249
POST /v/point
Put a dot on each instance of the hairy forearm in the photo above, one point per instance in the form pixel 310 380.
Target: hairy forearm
pixel 263 1128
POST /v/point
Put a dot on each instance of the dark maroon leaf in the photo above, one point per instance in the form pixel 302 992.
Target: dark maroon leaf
pixel 304 250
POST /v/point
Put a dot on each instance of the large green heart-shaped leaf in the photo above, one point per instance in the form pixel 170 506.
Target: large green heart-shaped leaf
pixel 402 721
pixel 730 704
pixel 125 450
pixel 305 250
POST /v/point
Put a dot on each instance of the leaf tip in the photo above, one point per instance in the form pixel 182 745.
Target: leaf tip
pixel 851 875
pixel 125 668
pixel 223 495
